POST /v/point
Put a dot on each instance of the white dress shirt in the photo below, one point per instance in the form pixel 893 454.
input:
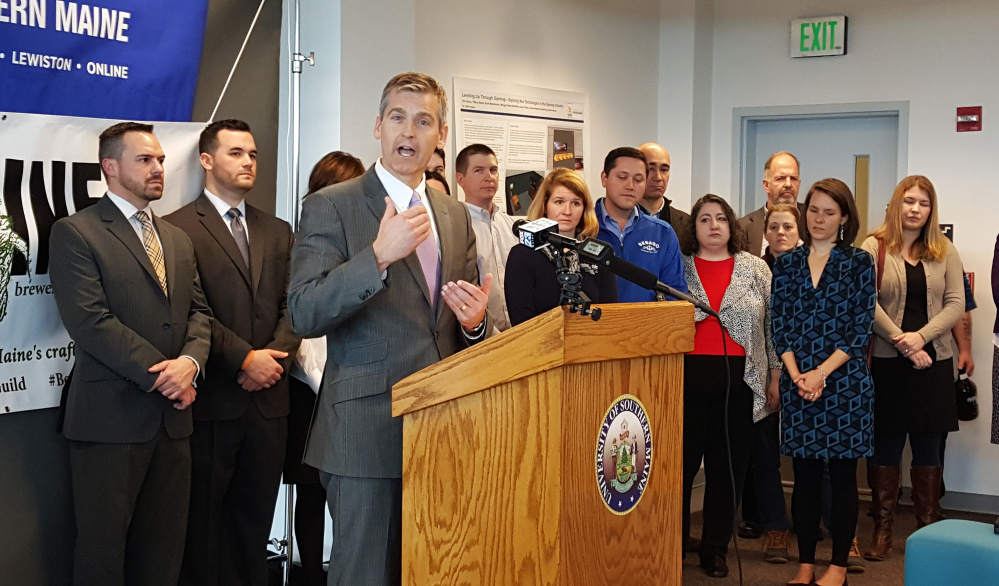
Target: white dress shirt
pixel 129 210
pixel 493 240
pixel 401 194
pixel 223 208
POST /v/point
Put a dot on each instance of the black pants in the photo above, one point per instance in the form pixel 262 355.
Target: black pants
pixel 763 496
pixel 130 503
pixel 310 531
pixel 235 475
pixel 926 448
pixel 704 437
pixel 808 506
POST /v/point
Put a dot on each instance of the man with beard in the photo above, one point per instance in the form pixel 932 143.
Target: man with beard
pixel 781 182
pixel 240 419
pixel 655 202
pixel 127 288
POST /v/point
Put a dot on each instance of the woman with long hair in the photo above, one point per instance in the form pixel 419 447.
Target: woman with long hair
pixel 718 409
pixel 531 286
pixel 920 301
pixel 823 306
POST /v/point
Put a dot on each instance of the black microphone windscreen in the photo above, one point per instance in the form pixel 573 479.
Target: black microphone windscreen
pixel 633 273
pixel 517 224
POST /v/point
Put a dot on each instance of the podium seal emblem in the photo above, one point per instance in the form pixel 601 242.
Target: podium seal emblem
pixel 624 455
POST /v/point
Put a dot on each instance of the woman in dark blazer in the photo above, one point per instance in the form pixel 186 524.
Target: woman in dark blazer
pixel 531 287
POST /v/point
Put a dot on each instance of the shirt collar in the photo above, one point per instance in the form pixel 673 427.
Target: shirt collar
pixel 126 207
pixel 478 213
pixel 222 206
pixel 607 218
pixel 400 193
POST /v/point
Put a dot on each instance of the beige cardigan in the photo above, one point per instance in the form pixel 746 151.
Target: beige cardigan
pixel 944 296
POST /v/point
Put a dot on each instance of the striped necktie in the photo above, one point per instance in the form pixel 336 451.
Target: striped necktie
pixel 152 247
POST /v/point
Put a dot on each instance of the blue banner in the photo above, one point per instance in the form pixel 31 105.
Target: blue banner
pixel 125 59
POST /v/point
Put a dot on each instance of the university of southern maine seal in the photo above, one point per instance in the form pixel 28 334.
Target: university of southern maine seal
pixel 624 455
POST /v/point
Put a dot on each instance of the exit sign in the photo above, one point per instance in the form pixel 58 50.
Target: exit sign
pixel 818 37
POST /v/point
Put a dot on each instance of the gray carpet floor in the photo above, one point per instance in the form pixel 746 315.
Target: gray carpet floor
pixel 756 572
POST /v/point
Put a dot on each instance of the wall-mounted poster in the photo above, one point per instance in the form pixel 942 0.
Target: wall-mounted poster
pixel 533 130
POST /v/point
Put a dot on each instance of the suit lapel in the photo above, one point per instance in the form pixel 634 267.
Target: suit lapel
pixel 213 222
pixel 169 257
pixel 257 245
pixel 443 221
pixel 119 225
pixel 376 194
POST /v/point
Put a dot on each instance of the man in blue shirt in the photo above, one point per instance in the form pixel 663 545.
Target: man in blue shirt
pixel 636 237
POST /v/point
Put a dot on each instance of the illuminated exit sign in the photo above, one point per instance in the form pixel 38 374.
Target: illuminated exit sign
pixel 818 37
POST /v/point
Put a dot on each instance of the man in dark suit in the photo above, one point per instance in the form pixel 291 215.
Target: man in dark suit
pixel 781 182
pixel 386 268
pixel 240 419
pixel 127 288
pixel 655 201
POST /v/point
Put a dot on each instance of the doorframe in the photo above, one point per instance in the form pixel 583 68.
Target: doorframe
pixel 743 128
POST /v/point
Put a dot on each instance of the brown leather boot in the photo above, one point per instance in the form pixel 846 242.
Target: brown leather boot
pixel 926 494
pixel 884 482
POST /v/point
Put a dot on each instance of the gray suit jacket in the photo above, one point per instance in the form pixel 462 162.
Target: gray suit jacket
pixel 377 331
pixel 112 306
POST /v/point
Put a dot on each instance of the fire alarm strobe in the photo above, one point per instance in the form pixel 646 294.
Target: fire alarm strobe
pixel 969 119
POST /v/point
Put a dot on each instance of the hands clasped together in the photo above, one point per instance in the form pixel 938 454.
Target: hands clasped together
pixel 910 344
pixel 811 384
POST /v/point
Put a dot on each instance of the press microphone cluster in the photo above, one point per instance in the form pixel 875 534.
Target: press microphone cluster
pixel 544 232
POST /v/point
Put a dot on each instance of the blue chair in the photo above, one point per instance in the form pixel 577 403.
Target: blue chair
pixel 952 552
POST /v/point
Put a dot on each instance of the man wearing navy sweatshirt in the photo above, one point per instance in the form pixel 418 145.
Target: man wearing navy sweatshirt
pixel 636 237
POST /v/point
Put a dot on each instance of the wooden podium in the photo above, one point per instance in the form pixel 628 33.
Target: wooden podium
pixel 500 453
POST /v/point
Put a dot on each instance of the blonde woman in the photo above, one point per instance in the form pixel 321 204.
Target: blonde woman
pixel 920 301
pixel 531 286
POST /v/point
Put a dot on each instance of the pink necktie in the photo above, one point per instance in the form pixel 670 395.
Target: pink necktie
pixel 429 257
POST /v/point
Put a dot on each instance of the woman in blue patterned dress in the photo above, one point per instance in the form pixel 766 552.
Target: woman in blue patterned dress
pixel 823 307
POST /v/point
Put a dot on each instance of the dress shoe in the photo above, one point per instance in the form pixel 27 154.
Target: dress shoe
pixel 714 565
pixel 750 530
pixel 855 563
pixel 775 547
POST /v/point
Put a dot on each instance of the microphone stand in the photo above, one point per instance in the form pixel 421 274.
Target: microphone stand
pixel 572 287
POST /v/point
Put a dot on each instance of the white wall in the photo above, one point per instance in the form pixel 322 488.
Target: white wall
pixel 606 49
pixel 936 55
pixel 672 71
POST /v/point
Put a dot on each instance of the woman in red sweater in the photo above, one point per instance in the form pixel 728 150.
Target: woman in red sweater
pixel 737 285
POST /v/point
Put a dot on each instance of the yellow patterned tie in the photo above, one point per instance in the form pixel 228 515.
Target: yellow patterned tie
pixel 152 247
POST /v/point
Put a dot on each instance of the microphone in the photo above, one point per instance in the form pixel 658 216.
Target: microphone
pixel 540 233
pixel 603 254
pixel 544 231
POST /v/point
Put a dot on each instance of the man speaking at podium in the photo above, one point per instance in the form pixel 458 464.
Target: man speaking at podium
pixel 385 268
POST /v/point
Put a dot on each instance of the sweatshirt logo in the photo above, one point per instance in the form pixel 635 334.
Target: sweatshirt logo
pixel 648 246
